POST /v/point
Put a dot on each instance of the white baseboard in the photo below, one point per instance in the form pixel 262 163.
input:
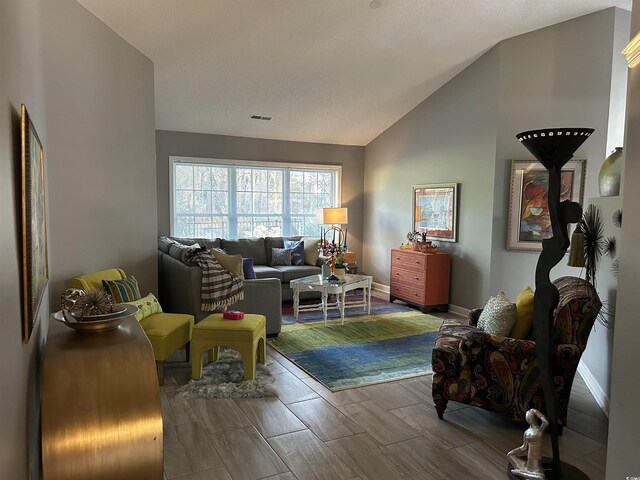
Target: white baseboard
pixel 379 287
pixel 594 387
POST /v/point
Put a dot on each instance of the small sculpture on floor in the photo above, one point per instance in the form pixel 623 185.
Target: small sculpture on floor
pixel 527 458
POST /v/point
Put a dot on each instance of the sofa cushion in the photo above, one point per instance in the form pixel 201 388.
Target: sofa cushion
pixel 311 252
pixel 203 242
pixel 164 243
pixel 248 248
pixel 291 272
pixel 275 242
pixel 263 271
pixel 179 250
pixel 297 251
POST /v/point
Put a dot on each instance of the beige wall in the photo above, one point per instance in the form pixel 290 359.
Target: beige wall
pixel 90 96
pixel 624 420
pixel 351 159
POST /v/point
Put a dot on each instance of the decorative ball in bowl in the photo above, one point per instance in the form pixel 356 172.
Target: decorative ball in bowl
pixel 424 247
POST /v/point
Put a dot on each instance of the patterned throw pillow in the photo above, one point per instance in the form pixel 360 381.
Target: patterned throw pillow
pixel 125 290
pixel 280 256
pixel 297 251
pixel 146 306
pixel 498 316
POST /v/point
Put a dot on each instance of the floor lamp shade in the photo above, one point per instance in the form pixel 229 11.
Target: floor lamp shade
pixel 335 216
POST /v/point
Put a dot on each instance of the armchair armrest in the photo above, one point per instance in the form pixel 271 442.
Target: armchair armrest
pixel 474 316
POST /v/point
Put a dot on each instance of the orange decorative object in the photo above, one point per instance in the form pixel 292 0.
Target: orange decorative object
pixel 424 247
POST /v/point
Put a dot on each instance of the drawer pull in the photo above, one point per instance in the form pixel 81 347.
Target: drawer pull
pixel 417 278
pixel 417 261
pixel 398 274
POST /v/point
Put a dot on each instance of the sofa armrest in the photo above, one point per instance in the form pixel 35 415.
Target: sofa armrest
pixel 263 296
pixel 181 285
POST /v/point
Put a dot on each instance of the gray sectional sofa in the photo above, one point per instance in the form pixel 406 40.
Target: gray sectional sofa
pixel 179 283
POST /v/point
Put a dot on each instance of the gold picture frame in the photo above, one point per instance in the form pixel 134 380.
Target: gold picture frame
pixel 529 221
pixel 35 262
pixel 435 209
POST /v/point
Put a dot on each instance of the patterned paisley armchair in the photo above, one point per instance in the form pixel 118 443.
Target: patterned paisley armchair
pixel 500 373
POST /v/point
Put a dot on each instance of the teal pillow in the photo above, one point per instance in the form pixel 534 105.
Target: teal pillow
pixel 125 290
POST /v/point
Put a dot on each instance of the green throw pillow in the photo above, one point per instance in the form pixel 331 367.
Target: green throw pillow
pixel 146 306
pixel 122 291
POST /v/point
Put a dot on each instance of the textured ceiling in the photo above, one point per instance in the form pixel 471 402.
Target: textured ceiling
pixel 331 71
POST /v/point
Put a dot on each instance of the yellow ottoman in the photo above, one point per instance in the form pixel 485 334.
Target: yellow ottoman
pixel 248 336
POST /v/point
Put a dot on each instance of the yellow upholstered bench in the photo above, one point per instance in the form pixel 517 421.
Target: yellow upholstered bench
pixel 167 332
pixel 248 336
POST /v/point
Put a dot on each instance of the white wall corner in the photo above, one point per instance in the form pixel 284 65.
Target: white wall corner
pixel 381 288
pixel 594 387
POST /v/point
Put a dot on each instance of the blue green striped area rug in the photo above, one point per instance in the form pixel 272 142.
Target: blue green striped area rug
pixel 367 349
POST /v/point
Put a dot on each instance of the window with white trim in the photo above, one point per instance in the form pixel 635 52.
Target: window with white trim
pixel 216 198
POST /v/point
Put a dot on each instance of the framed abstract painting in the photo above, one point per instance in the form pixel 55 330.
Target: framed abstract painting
pixel 529 222
pixel 435 211
pixel 35 268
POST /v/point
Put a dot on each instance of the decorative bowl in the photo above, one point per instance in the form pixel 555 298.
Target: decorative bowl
pixel 424 247
pixel 97 323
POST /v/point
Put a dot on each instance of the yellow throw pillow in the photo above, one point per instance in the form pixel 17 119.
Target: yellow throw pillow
pixel 232 263
pixel 146 306
pixel 524 314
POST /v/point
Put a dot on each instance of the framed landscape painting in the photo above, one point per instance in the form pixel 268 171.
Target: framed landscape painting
pixel 35 269
pixel 435 211
pixel 529 222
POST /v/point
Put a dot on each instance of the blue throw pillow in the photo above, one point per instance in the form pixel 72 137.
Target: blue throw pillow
pixel 247 269
pixel 297 251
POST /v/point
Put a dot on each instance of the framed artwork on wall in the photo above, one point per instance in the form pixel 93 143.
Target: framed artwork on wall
pixel 529 222
pixel 435 211
pixel 35 267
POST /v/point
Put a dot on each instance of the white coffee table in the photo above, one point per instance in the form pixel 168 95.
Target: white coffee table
pixel 318 284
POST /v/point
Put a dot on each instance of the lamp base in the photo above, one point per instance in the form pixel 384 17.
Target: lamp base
pixel 332 278
pixel 569 472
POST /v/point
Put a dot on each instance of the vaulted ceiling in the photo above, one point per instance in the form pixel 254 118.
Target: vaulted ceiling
pixel 331 71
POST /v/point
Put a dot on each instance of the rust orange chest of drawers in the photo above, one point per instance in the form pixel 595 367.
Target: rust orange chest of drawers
pixel 421 279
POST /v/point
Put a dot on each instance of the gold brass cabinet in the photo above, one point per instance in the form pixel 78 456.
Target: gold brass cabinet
pixel 101 414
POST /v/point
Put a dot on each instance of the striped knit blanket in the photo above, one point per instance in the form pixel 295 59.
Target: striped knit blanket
pixel 219 289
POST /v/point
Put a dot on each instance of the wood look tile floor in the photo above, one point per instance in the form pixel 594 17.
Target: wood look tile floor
pixel 387 431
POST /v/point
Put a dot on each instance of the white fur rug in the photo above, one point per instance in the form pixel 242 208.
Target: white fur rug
pixel 225 379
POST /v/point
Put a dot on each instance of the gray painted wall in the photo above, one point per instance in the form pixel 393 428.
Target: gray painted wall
pixel 90 95
pixel 571 87
pixel 239 148
pixel 624 419
pixel 449 137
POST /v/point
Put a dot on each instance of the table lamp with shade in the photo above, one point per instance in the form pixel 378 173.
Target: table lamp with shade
pixel 336 216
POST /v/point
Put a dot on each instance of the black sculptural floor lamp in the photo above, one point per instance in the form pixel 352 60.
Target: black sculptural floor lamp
pixel 553 147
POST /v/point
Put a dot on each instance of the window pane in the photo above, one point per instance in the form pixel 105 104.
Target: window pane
pixel 220 202
pixel 184 201
pixel 211 227
pixel 243 176
pixel 244 203
pixel 184 226
pixel 220 178
pixel 183 177
pixel 201 178
pixel 260 203
pixel 202 202
pixel 275 202
pixel 275 180
pixel 310 182
pixel 325 182
pixel 296 180
pixel 297 203
pixel 259 180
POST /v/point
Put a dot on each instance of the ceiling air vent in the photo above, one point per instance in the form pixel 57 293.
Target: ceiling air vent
pixel 260 117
